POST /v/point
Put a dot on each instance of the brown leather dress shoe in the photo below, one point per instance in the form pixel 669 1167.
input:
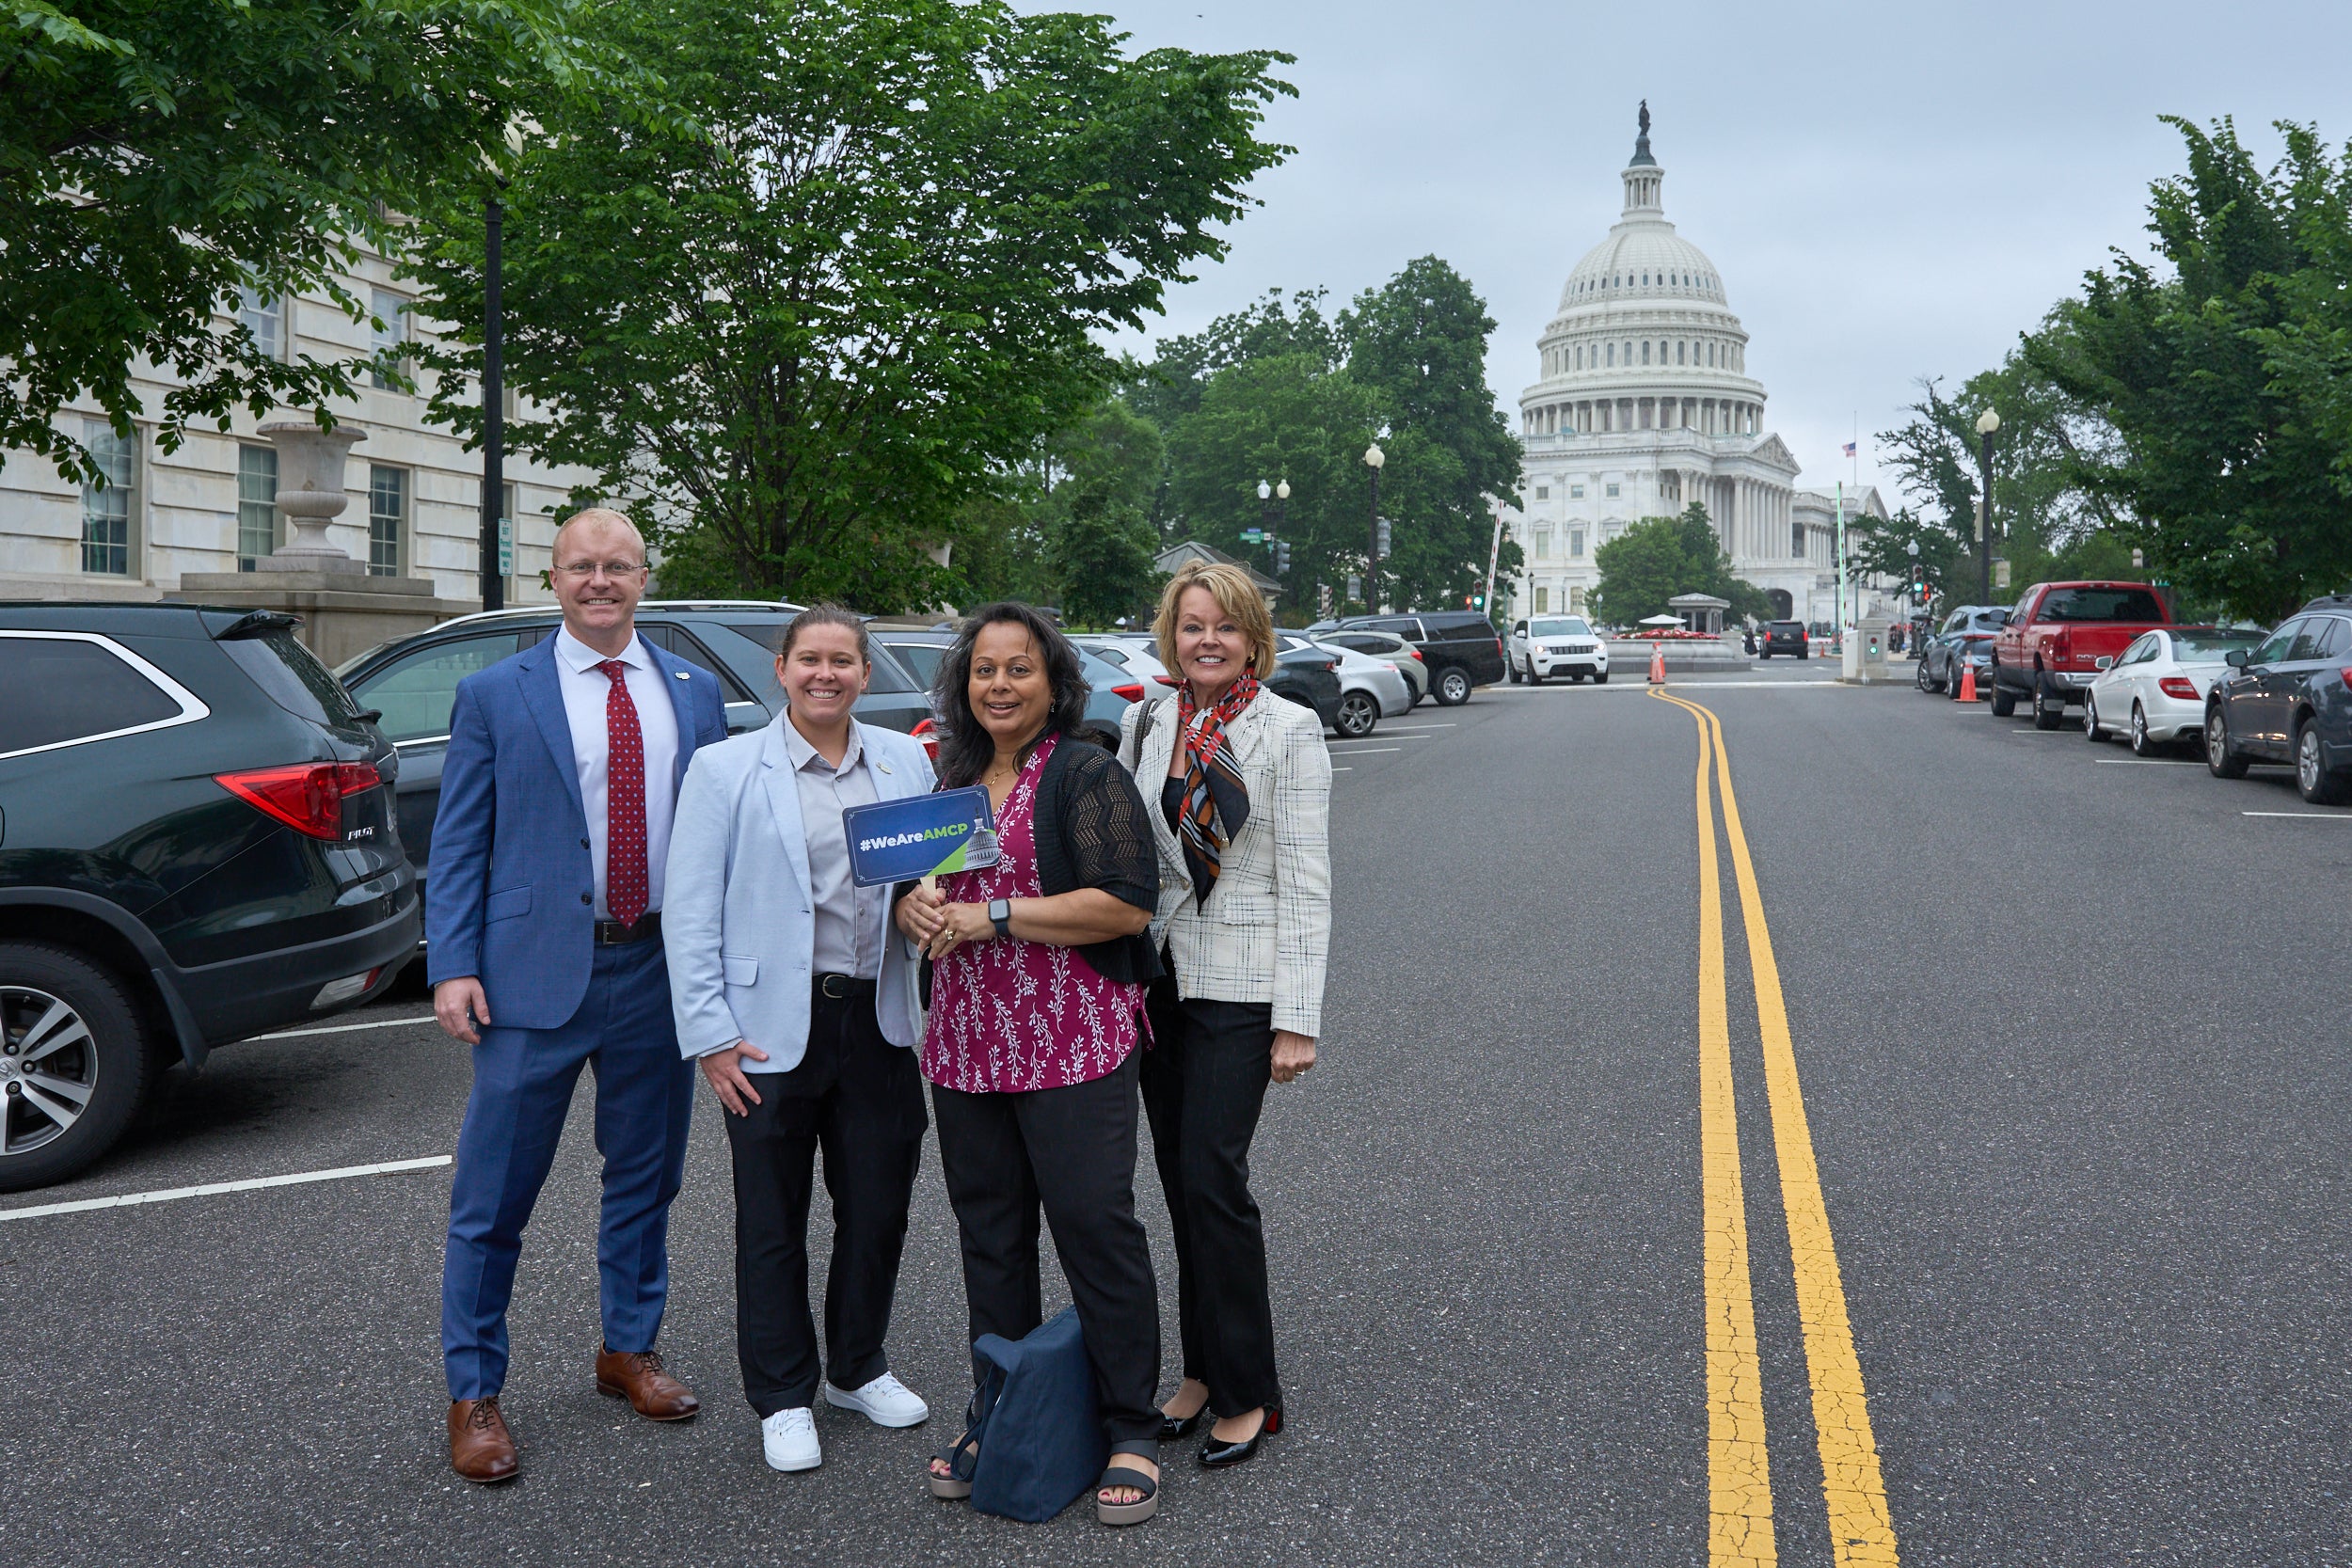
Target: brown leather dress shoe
pixel 480 1448
pixel 654 1393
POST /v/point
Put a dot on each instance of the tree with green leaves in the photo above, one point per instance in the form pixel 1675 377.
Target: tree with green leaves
pixel 808 335
pixel 1419 344
pixel 1657 559
pixel 1069 527
pixel 2216 366
pixel 157 157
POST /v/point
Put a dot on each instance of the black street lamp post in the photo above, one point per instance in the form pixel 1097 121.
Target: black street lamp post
pixel 493 416
pixel 1987 423
pixel 1374 458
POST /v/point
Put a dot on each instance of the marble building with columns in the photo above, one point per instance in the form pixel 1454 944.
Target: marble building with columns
pixel 1645 405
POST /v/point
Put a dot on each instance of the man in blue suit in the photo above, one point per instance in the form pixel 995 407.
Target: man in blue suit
pixel 544 945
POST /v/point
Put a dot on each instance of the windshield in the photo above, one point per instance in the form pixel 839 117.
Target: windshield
pixel 2212 647
pixel 2099 604
pixel 1564 626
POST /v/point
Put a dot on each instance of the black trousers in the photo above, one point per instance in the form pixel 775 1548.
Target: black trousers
pixel 860 1099
pixel 1072 1152
pixel 1204 1083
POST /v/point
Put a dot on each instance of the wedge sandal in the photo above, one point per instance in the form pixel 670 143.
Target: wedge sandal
pixel 1127 1514
pixel 963 1459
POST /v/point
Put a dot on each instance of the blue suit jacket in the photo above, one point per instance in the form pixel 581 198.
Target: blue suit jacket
pixel 511 898
pixel 737 915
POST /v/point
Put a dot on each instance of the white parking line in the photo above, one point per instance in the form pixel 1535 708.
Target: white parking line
pixel 346 1028
pixel 1367 751
pixel 2146 762
pixel 1403 729
pixel 2305 815
pixel 1343 769
pixel 209 1189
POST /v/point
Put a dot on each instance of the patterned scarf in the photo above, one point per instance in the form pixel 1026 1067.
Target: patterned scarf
pixel 1215 796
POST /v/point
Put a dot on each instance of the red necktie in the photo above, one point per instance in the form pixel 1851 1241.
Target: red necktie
pixel 626 884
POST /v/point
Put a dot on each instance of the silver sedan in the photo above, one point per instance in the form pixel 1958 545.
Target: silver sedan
pixel 1370 688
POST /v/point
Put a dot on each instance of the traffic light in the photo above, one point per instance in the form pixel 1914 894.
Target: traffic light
pixel 1281 557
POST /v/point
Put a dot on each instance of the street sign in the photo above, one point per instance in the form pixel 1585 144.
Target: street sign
pixel 506 546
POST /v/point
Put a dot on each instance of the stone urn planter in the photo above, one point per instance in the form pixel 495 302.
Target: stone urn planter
pixel 311 495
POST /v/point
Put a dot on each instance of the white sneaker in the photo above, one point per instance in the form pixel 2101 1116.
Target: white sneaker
pixel 789 1438
pixel 885 1402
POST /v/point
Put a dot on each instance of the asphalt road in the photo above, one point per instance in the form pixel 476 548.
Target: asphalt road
pixel 2072 1038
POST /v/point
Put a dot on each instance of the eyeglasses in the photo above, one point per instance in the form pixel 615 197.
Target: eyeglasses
pixel 581 571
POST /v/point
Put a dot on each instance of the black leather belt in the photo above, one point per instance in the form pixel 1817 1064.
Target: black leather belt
pixel 836 988
pixel 612 933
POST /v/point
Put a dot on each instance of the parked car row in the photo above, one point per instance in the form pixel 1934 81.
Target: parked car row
pixel 2242 696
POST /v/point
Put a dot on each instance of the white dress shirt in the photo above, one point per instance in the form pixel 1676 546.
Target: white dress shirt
pixel 586 690
pixel 850 919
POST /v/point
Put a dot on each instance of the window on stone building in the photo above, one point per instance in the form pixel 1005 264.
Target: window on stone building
pixel 1576 492
pixel 388 334
pixel 265 319
pixel 1575 543
pixel 1645 351
pixel 1612 354
pixel 387 510
pixel 1543 492
pixel 1542 600
pixel 1796 543
pixel 1543 543
pixel 1682 354
pixel 1612 490
pixel 1576 601
pixel 106 509
pixel 257 505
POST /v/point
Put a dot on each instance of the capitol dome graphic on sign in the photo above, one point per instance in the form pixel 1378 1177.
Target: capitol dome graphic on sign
pixel 1645 405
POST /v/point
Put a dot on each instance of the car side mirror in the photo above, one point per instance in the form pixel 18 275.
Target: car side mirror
pixel 2235 658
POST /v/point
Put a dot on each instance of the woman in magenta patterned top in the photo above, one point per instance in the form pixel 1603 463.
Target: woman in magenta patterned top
pixel 1039 966
pixel 1010 1017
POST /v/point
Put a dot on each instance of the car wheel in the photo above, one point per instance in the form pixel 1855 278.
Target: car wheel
pixel 1453 687
pixel 2221 760
pixel 1766 654
pixel 2090 719
pixel 2004 700
pixel 2047 714
pixel 2142 742
pixel 1920 677
pixel 73 1064
pixel 1600 677
pixel 1515 674
pixel 2313 780
pixel 1359 715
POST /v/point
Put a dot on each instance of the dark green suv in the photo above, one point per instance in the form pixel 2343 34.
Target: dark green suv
pixel 196 845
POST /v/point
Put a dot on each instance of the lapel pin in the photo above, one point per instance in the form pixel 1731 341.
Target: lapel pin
pixel 683 675
pixel 883 765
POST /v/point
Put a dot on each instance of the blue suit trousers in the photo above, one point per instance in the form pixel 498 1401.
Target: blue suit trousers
pixel 522 1091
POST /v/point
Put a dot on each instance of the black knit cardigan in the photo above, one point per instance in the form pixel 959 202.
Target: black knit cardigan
pixel 1091 831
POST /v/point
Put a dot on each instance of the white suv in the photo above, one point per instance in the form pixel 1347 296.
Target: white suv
pixel 1551 645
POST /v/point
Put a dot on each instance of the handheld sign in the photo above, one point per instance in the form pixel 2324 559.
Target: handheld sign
pixel 922 835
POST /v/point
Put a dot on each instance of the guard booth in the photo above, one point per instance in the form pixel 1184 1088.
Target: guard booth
pixel 1866 652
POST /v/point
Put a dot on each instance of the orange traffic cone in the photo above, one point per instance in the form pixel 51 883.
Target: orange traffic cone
pixel 1657 664
pixel 1967 683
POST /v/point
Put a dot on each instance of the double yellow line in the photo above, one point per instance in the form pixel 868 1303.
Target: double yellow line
pixel 1739 1472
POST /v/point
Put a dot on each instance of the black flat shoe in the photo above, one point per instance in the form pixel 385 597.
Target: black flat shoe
pixel 1217 1455
pixel 1172 1428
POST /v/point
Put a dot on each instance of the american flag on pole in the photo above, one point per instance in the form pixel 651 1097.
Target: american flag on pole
pixel 1850 446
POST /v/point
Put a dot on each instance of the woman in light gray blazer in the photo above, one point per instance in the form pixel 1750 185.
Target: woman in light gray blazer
pixel 1244 787
pixel 790 985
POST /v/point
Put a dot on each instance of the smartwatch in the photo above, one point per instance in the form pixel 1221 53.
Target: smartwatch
pixel 1000 911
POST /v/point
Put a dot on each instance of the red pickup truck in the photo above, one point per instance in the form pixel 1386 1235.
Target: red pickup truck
pixel 2060 635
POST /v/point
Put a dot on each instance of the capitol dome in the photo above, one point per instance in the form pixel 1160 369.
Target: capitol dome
pixel 1643 337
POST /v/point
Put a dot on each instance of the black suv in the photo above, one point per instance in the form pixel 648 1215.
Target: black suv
pixel 196 845
pixel 2288 701
pixel 1786 637
pixel 412 682
pixel 1460 647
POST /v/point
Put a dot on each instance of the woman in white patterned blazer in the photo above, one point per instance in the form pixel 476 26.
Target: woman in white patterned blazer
pixel 1244 785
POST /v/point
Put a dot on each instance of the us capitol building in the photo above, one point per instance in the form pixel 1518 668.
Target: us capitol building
pixel 1645 405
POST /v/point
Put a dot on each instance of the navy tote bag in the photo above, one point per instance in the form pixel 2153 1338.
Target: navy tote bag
pixel 1040 1438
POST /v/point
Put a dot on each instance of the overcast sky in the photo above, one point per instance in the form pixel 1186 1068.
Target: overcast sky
pixel 1888 191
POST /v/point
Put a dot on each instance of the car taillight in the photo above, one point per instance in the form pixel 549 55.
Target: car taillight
pixel 1132 691
pixel 307 797
pixel 928 733
pixel 2178 686
pixel 1415 653
pixel 1168 680
pixel 1498 647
